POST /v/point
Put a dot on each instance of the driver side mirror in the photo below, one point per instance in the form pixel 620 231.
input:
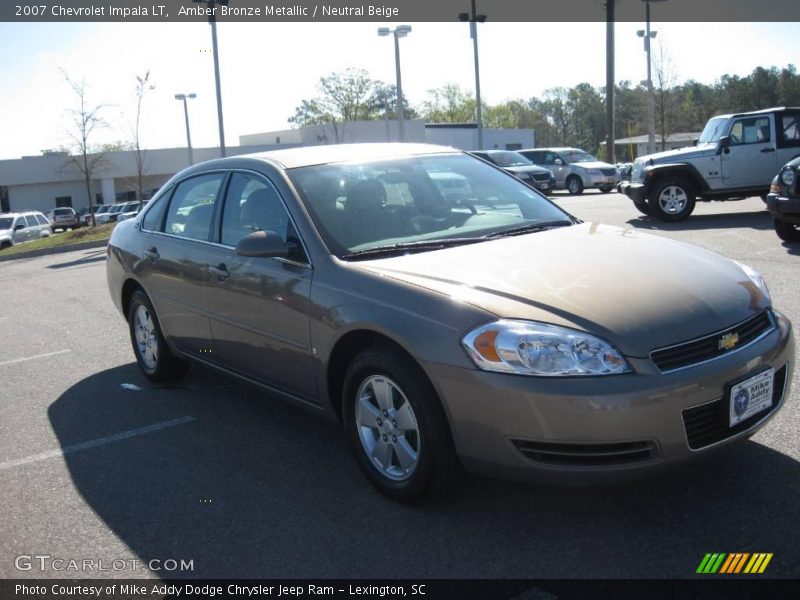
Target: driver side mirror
pixel 19 226
pixel 558 162
pixel 724 144
pixel 266 244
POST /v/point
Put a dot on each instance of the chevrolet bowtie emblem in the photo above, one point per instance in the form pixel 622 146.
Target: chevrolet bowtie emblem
pixel 728 341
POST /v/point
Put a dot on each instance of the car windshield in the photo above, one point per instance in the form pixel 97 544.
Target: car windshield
pixel 408 202
pixel 713 131
pixel 577 156
pixel 509 159
pixel 100 209
pixel 5 222
pixel 117 208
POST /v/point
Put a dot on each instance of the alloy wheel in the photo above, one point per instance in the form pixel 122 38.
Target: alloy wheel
pixel 387 427
pixel 146 340
pixel 673 199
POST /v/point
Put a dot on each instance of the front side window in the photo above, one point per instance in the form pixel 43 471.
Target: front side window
pixel 5 223
pixel 191 209
pixel 750 131
pixel 418 200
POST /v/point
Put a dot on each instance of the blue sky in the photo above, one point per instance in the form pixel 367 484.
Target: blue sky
pixel 268 68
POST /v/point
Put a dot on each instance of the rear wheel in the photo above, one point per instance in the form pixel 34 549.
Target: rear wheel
pixel 605 190
pixel 788 232
pixel 672 200
pixel 574 185
pixel 155 358
pixel 396 425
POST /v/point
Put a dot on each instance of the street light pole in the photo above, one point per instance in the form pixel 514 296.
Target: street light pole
pixel 186 116
pixel 398 32
pixel 649 35
pixel 610 135
pixel 212 20
pixel 474 19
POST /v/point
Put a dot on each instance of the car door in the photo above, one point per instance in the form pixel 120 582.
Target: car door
pixel 788 136
pixel 259 307
pixel 20 231
pixel 174 262
pixel 750 161
pixel 559 170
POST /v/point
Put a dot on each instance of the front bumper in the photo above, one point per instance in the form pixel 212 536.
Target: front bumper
pixel 496 419
pixel 635 191
pixel 783 208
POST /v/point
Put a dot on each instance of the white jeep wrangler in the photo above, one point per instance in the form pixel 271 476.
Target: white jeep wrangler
pixel 735 157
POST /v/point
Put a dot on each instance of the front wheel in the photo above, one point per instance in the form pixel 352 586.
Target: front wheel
pixel 672 200
pixel 155 359
pixel 574 185
pixel 396 425
pixel 642 206
pixel 605 190
pixel 788 232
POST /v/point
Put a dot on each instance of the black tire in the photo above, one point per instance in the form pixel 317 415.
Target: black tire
pixel 167 366
pixel 672 199
pixel 574 185
pixel 642 206
pixel 788 232
pixel 5 245
pixel 436 466
pixel 605 190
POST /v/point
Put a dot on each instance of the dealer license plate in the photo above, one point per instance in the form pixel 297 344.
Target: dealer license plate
pixel 751 396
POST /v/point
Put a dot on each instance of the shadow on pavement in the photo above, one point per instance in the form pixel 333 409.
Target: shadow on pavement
pixel 750 220
pixel 253 487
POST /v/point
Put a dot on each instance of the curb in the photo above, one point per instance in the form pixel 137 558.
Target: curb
pixel 56 250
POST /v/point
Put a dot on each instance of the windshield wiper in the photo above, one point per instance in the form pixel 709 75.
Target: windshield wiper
pixel 530 228
pixel 420 245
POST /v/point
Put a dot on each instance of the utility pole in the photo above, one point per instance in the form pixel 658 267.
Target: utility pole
pixel 610 85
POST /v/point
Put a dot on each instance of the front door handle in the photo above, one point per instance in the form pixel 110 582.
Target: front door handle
pixel 220 271
pixel 152 253
pixel 763 150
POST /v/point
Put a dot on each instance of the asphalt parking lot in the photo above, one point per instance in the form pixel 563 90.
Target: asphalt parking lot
pixel 98 463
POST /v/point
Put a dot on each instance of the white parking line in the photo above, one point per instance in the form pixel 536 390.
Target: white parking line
pixel 110 439
pixel 37 356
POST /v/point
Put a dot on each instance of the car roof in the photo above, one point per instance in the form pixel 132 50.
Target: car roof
pixel 307 156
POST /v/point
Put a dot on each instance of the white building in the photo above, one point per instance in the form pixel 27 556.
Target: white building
pixel 52 179
pixel 458 135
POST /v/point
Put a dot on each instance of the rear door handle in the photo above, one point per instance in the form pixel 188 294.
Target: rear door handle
pixel 152 253
pixel 220 271
pixel 768 150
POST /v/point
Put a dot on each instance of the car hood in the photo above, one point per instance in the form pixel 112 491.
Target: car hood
pixel 680 154
pixel 527 169
pixel 5 232
pixel 594 165
pixel 638 291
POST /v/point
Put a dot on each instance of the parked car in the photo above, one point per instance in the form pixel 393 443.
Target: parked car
pixel 63 218
pixel 783 201
pixel 114 210
pixel 736 156
pixel 575 170
pixel 16 228
pixel 500 334
pixel 624 171
pixel 537 177
pixel 132 212
pixel 99 209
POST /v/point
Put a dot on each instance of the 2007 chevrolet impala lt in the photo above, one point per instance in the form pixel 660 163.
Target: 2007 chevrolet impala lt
pixel 449 315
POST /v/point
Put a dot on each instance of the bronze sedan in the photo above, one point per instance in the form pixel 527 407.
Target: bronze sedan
pixel 449 315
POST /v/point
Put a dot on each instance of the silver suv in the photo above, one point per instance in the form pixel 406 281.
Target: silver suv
pixel 736 156
pixel 16 228
pixel 575 170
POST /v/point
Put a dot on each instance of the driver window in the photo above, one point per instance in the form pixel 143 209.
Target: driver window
pixel 253 204
pixel 750 131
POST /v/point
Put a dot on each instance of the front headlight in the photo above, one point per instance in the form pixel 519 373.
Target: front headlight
pixel 757 279
pixel 531 348
pixel 787 177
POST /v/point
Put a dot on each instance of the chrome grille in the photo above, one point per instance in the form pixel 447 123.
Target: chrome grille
pixel 709 347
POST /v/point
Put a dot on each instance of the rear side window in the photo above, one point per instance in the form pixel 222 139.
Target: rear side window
pixel 155 214
pixel 42 220
pixel 191 208
pixel 31 221
pixel 790 129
